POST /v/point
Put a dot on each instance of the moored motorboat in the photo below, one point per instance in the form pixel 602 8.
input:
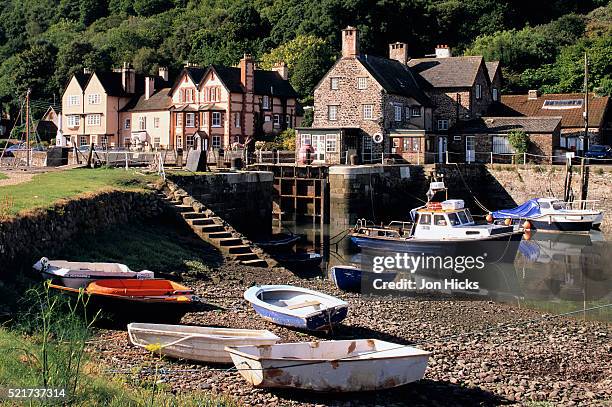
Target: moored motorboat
pixel 204 344
pixel 79 274
pixel 296 307
pixel 279 242
pixel 351 278
pixel 331 366
pixel 153 300
pixel 552 215
pixel 442 229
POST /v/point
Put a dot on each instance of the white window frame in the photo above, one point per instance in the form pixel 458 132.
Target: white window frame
pixel 415 111
pixel 73 100
pixel 82 141
pixel 478 91
pixel 142 123
pixel 189 141
pixel 332 113
pixel 501 145
pixel 93 119
pixel 277 121
pixel 288 121
pixel 94 99
pixel 362 82
pixel 127 124
pixel 216 119
pixel 331 143
pixel 237 120
pixel 398 112
pixel 216 142
pixel 73 120
pixel 495 94
pixel 190 120
pixel 368 112
pixel 179 141
pixel 442 124
pixel 334 83
pixel 156 122
pixel 156 142
pixel 179 120
pixel 265 102
pixel 304 138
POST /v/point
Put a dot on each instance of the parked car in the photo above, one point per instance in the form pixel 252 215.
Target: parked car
pixel 599 151
pixel 8 152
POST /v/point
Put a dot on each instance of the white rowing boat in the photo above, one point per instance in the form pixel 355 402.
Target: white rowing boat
pixel 296 307
pixel 204 344
pixel 76 275
pixel 331 366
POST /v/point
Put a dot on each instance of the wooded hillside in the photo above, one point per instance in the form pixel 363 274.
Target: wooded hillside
pixel 541 42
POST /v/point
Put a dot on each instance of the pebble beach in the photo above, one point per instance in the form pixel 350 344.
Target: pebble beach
pixel 483 353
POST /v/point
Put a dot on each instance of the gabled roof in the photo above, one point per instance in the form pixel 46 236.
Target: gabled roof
pixel 394 77
pixel 451 72
pixel 271 83
pixel 502 125
pixel 82 78
pixel 492 67
pixel 230 76
pixel 521 105
pixel 113 86
pixel 160 100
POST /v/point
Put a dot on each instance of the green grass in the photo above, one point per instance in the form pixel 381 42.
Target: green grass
pixel 46 189
pixel 3 176
pixel 20 368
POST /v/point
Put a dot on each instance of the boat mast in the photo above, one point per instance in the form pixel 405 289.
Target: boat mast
pixel 585 114
pixel 27 112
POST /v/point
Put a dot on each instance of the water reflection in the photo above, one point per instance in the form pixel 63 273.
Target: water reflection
pixel 552 272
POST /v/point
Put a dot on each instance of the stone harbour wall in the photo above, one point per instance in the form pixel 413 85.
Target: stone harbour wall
pixel 243 199
pixel 42 232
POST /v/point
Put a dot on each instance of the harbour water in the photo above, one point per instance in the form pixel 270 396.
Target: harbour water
pixel 552 272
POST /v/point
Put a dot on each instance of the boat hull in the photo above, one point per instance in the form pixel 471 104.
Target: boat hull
pixel 352 278
pixel 498 248
pixel 323 320
pixel 338 372
pixel 561 226
pixel 202 344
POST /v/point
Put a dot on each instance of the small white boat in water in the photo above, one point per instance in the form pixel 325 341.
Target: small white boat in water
pixel 79 274
pixel 331 366
pixel 296 307
pixel 204 344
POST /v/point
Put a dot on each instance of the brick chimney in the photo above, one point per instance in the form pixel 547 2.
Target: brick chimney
pixel 443 51
pixel 282 69
pixel 163 73
pixel 533 94
pixel 149 87
pixel 399 52
pixel 247 72
pixel 350 42
pixel 128 78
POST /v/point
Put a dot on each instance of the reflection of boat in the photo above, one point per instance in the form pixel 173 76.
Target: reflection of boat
pixel 553 215
pixel 201 343
pixel 331 366
pixel 137 300
pixel 279 242
pixel 296 307
pixel 444 229
pixel 351 278
pixel 79 274
pixel 299 260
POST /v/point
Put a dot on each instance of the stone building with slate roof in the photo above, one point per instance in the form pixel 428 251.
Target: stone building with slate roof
pixel 411 105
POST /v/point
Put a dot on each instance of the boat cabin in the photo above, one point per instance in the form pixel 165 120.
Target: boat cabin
pixel 437 218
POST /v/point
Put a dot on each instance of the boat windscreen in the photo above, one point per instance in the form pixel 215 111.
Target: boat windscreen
pixel 463 217
pixel 559 205
pixel 469 216
pixel 454 219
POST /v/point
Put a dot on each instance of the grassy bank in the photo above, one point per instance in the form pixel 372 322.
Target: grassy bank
pixel 45 189
pixel 3 176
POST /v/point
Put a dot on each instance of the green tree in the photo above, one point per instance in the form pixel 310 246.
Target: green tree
pixel 519 140
pixel 151 7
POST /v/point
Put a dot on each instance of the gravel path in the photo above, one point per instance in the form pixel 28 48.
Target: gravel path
pixel 15 177
pixel 563 361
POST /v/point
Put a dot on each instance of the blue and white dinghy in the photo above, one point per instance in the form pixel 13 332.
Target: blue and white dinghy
pixel 296 307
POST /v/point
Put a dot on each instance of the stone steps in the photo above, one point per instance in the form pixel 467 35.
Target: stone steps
pixel 213 230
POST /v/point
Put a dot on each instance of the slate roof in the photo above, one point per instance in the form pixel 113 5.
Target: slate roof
pixel 492 67
pixel 504 125
pixel 394 77
pixel 160 100
pixel 196 73
pixel 82 78
pixel 452 72
pixel 520 105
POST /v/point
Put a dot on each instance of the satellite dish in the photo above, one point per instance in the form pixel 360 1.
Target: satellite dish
pixel 377 138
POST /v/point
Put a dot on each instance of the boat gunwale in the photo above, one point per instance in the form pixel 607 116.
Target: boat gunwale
pixel 265 333
pixel 449 239
pixel 283 310
pixel 191 296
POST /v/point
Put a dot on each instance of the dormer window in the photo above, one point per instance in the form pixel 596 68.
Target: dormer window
pixel 415 111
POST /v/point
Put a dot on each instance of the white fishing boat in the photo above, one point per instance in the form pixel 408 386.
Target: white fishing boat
pixel 296 307
pixel 331 366
pixel 79 274
pixel 204 344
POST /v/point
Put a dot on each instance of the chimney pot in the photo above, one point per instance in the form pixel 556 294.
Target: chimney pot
pixel 350 42
pixel 163 73
pixel 443 51
pixel 282 69
pixel 149 87
pixel 533 94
